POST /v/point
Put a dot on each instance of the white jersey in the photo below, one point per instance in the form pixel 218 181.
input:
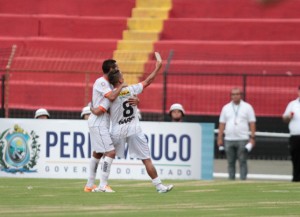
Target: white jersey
pixel 124 117
pixel 237 119
pixel 101 88
pixel 293 107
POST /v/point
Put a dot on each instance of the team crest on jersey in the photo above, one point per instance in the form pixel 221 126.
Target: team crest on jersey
pixel 124 92
pixel 16 154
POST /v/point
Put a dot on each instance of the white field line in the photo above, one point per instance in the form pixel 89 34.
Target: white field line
pixel 256 176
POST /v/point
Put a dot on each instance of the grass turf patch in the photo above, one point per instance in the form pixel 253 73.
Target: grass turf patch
pixel 65 197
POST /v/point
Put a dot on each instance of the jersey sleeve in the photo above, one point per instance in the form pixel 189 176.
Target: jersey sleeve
pixel 137 88
pixel 105 104
pixel 103 87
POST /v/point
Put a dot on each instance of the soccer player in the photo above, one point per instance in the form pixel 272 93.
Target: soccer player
pixel 126 126
pixel 99 129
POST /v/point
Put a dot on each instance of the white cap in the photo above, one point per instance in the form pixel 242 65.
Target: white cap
pixel 41 112
pixel 177 106
pixel 85 111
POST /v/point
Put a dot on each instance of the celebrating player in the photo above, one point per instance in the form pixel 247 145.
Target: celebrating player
pixel 99 129
pixel 126 126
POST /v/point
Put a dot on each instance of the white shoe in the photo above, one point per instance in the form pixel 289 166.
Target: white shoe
pixel 165 189
pixel 106 189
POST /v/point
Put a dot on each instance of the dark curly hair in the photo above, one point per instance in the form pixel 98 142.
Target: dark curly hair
pixel 114 76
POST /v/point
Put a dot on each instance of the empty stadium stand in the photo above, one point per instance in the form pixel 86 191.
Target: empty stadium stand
pixel 230 37
pixel 208 38
pixel 68 36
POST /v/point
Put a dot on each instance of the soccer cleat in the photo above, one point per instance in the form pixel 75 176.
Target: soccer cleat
pixel 165 189
pixel 106 189
pixel 89 189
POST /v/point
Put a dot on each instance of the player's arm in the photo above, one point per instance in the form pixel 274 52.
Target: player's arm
pixel 221 134
pixel 288 118
pixel 115 92
pixel 288 114
pixel 134 100
pixel 153 74
pixel 252 133
pixel 102 108
pixel 98 111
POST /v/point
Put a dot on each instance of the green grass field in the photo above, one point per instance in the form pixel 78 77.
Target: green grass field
pixel 57 197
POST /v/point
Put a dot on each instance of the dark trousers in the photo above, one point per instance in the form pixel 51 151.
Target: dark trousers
pixel 236 150
pixel 295 155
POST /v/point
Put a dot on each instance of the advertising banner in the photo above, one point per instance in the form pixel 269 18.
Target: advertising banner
pixel 61 149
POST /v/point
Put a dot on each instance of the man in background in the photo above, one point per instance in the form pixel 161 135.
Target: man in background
pixel 236 119
pixel 292 116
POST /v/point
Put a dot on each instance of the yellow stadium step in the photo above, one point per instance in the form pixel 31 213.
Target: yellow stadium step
pixel 141 35
pixel 143 29
pixel 145 24
pixel 154 3
pixel 131 67
pixel 131 79
pixel 135 45
pixel 131 55
pixel 162 13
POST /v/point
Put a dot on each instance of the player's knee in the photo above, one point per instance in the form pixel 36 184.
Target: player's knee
pixel 97 155
pixel 111 154
pixel 147 161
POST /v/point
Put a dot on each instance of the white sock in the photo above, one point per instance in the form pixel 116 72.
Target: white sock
pixel 105 171
pixel 157 183
pixel 92 172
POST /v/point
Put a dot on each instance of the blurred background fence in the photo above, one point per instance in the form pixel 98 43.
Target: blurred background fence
pixel 61 81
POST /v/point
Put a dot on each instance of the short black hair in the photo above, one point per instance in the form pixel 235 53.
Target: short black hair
pixel 114 76
pixel 108 64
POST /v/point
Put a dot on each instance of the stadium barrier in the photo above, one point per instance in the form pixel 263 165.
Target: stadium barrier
pixel 61 149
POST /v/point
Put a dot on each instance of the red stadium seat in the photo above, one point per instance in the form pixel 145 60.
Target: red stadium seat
pixel 208 38
pixel 233 37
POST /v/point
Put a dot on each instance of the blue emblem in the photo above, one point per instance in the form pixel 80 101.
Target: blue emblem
pixel 17 153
